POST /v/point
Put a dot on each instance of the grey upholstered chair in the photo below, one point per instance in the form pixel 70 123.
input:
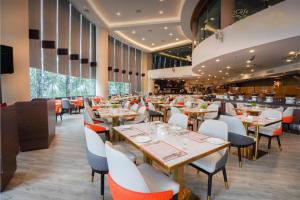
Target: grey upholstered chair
pixel 215 162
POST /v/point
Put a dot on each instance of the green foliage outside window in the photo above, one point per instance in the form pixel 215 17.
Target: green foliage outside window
pixel 45 84
pixel 118 88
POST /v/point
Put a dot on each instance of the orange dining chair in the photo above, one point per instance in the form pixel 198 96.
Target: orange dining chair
pixel 58 108
pixel 287 116
pixel 141 182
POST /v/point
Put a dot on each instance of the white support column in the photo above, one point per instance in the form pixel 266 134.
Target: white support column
pixel 102 62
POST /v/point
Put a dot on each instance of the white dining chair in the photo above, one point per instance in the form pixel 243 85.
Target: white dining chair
pixel 96 156
pixel 271 131
pixel 179 119
pixel 153 112
pixel 236 126
pixel 139 118
pixel 215 162
pixel 229 109
pixel 174 110
pixel 188 104
pixel 127 105
pixel 134 107
pixel 214 108
pixel 135 182
pixel 288 117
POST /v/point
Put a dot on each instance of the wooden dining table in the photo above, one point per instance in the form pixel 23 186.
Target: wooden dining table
pixel 170 148
pixel 257 122
pixel 197 111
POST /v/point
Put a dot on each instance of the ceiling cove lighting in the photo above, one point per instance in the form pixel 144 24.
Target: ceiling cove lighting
pixel 292 52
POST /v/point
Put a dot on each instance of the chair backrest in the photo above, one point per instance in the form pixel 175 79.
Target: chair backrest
pixel 289 111
pixel 188 104
pixel 215 128
pixel 173 102
pixel 123 171
pixel 271 113
pixel 235 125
pixel 212 115
pixel 127 105
pixel 65 103
pixel 94 143
pixel 179 119
pixel 151 106
pixel 134 107
pixel 279 109
pixel 230 109
pixel 240 105
pixel 174 110
pixel 218 103
pixel 86 117
pixel 142 102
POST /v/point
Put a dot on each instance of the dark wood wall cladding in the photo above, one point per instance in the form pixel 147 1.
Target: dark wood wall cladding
pixel 9 144
pixel 288 85
pixel 36 124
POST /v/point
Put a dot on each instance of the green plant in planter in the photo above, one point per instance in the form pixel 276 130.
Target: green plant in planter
pixel 253 104
pixel 203 105
pixel 114 105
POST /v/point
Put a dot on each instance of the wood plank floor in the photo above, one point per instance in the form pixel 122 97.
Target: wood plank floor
pixel 62 172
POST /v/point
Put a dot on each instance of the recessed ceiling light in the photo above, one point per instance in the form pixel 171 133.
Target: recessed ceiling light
pixel 203 66
pixel 226 73
pixel 252 70
pixel 202 73
pixel 161 12
pixel 143 38
pixel 292 52
pixel 215 76
pixel 248 65
pixel 242 74
pixel 209 75
pixel 252 51
pixel 177 39
pixel 248 61
pixel 152 44
pixel 212 19
pixel 199 70
pixel 170 34
pixel 228 67
pixel 161 0
pixel 118 13
pixel 218 60
pixel 133 31
pixel 220 71
pixel 166 28
pixel 288 60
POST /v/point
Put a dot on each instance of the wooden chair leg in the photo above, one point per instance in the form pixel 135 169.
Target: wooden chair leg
pixel 240 157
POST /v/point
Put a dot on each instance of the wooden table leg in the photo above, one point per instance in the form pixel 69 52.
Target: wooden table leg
pixel 178 177
pixel 115 122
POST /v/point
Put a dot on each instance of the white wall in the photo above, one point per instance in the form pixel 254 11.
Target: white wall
pixel 176 72
pixel 278 22
pixel 14 32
